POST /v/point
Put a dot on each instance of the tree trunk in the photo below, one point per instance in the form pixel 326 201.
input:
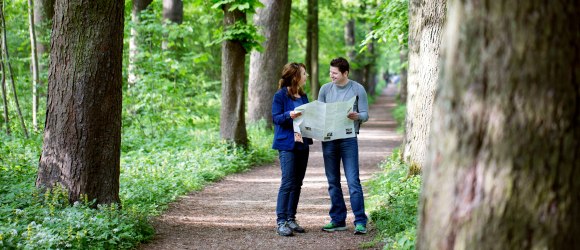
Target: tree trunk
pixel 6 56
pixel 138 6
pixel 82 135
pixel 504 160
pixel 312 48
pixel 355 72
pixel 370 71
pixel 4 97
pixel 232 122
pixel 34 64
pixel 265 67
pixel 172 13
pixel 43 11
pixel 426 25
pixel 403 57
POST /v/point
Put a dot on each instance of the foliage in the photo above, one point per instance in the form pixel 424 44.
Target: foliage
pixel 399 114
pixel 391 24
pixel 393 200
pixel 240 31
pixel 246 34
pixel 391 28
pixel 247 6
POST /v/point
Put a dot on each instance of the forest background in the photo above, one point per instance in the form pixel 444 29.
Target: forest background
pixel 171 142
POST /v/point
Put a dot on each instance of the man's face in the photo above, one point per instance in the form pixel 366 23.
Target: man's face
pixel 336 76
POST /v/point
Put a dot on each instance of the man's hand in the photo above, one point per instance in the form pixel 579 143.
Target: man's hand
pixel 353 116
pixel 294 114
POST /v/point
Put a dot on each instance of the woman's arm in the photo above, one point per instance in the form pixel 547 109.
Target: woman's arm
pixel 279 115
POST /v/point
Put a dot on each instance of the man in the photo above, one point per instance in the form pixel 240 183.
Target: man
pixel 342 89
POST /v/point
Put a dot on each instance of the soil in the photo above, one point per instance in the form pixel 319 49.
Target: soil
pixel 238 212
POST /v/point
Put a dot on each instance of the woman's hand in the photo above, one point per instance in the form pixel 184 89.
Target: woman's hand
pixel 294 114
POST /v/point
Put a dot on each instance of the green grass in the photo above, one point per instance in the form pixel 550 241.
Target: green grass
pixel 393 200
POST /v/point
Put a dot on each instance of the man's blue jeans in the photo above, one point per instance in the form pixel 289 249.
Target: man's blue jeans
pixel 347 151
pixel 293 164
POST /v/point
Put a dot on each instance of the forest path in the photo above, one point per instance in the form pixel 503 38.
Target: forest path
pixel 239 211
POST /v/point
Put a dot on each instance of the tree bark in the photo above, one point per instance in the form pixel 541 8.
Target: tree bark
pixel 312 48
pixel 138 6
pixel 265 67
pixel 82 135
pixel 504 158
pixel 426 25
pixel 232 121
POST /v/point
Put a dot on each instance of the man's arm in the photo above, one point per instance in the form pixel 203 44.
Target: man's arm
pixel 363 105
pixel 322 94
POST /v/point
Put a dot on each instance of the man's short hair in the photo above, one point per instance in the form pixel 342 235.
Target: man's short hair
pixel 341 64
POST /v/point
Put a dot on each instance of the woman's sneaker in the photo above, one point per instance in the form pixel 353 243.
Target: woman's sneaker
pixel 331 227
pixel 292 224
pixel 360 229
pixel 283 229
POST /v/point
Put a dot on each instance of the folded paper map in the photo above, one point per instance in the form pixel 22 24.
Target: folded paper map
pixel 325 121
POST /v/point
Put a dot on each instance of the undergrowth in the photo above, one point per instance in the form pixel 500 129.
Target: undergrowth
pixel 393 200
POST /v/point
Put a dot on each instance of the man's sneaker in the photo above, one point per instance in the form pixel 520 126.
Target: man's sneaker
pixel 292 224
pixel 283 229
pixel 331 227
pixel 360 229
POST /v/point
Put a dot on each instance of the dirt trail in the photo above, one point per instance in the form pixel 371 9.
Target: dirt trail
pixel 239 211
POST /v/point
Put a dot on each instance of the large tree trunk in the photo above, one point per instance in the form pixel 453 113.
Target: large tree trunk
pixel 504 158
pixel 426 25
pixel 172 13
pixel 312 48
pixel 232 122
pixel 138 6
pixel 266 66
pixel 82 135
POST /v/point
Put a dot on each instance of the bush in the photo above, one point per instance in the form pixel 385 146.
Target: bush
pixel 393 200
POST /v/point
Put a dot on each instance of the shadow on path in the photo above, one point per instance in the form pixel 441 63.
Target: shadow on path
pixel 239 211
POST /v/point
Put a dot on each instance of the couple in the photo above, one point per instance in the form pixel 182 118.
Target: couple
pixel 293 149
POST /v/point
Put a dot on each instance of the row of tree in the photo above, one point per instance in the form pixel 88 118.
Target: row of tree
pixel 493 122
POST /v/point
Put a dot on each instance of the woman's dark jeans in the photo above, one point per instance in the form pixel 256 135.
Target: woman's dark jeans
pixel 293 165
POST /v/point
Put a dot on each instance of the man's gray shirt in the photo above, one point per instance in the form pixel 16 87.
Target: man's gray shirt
pixel 331 92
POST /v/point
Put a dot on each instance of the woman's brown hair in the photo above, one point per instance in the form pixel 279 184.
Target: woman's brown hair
pixel 291 76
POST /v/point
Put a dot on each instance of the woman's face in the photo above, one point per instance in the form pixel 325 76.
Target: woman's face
pixel 303 76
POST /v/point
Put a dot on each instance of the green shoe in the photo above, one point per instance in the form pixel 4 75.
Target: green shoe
pixel 360 229
pixel 331 227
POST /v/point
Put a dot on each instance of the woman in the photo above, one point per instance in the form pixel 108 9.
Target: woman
pixel 292 149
